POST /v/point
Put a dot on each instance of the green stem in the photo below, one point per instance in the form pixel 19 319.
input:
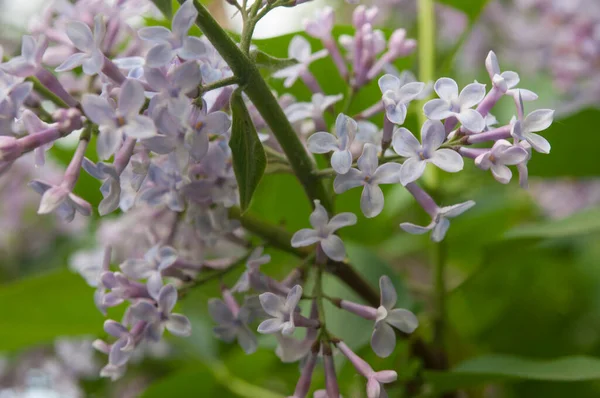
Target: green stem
pixel 426 48
pixel 47 94
pixel 266 104
pixel 439 283
pixel 228 81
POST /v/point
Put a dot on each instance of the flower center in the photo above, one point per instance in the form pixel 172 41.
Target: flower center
pixel 381 313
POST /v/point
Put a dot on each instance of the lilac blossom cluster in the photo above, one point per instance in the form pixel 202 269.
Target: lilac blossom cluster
pixel 157 101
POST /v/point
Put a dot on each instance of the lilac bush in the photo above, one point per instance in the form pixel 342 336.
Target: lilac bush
pixel 178 115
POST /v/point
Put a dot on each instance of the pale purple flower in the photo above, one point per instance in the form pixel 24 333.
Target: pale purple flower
pixel 312 110
pixel 282 311
pixel 12 97
pixel 156 260
pixel 324 232
pixel 396 96
pixel 111 186
pixel 383 340
pixel 323 142
pixel 502 154
pixel 172 87
pixel 418 155
pixel 301 51
pixel 34 125
pixel 60 199
pixel 120 350
pixel 291 349
pixel 111 370
pixel 440 223
pixel 159 316
pixel 233 326
pixel 30 60
pixel 451 103
pixel 256 259
pixel 175 41
pixel 322 26
pixel 125 120
pixel 506 81
pixel 165 188
pixel 89 264
pixel 536 121
pixel 91 56
pixel 370 176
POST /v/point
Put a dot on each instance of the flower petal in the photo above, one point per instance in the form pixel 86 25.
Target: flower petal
pixel 270 326
pixel 538 120
pixel 501 173
pixel 139 127
pixel 184 19
pixel 322 142
pixel 155 33
pixel 388 292
pixel 159 55
pixel 179 325
pixel 446 89
pixel 299 49
pixel 341 161
pixel 334 248
pixel 437 109
pixel 187 77
pixel 433 135
pixel 368 162
pixel 491 64
pixel 439 230
pixel 471 120
pixel 341 220
pixel 383 340
pixel 405 143
pixel 98 110
pixel 415 229
pixel 131 98
pixel 403 320
pixel 387 173
pixel 318 218
pixel 80 35
pixel 471 95
pixel 412 169
pixel 305 237
pixel 388 82
pixel 72 62
pixel 272 303
pixel 457 209
pixel 448 160
pixel 343 182
pixel 167 298
pixel 537 142
pixel 246 339
pixel 371 200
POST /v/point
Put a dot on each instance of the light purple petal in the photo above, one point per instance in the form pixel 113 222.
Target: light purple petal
pixel 334 248
pixel 440 229
pixel 538 120
pixel 179 325
pixel 501 173
pixel 511 78
pixel 72 62
pixel 448 160
pixel 446 89
pixel 371 201
pixel 471 95
pixel 219 311
pixel 341 161
pixel 305 237
pixel 159 55
pixel 512 155
pixel 131 98
pixel 80 35
pixel 193 48
pixel 318 218
pixel 322 142
pixel 389 297
pixel 246 339
pixel 433 135
pixel 107 143
pixel 388 83
pixel 457 209
pixel 437 109
pixel 409 92
pixel 299 49
pixel 386 376
pixel 405 144
pixel 52 199
pixel 167 298
pixel 93 64
pixel 383 340
pixel 341 220
pixel 415 229
pixel 396 113
pixel 184 18
pixel 272 303
pixel 387 173
pixel 98 110
pixel 139 127
pixel 412 169
pixel 145 311
pixel 352 179
pixel 491 64
pixel 217 123
pixel 293 298
pixel 368 162
pixel 187 77
pixel 471 120
pixel 270 326
pixel 403 320
pixel 538 142
pixel 155 33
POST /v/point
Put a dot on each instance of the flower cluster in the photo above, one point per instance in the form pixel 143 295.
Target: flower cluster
pixel 157 101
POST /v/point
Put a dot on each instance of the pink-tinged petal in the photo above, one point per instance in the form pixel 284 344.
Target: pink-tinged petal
pixel 471 95
pixel 383 340
pixel 352 179
pixel 334 248
pixel 526 95
pixel 52 199
pixel 439 230
pixel 305 237
pixel 437 109
pixel 81 36
pixel 131 98
pixel 371 201
pixel 491 64
pixel 415 229
pixel 483 161
pixel 471 120
pixel 446 89
pixel 501 173
pixel 537 142
pixel 538 120
pixel 386 376
pixel 299 49
pixel 99 30
pixel 373 388
pixel 322 142
pixel 405 143
pixel 368 162
pixel 179 325
pixel 448 160
pixel 72 62
pixel 115 329
pixel 341 220
pixel 412 169
pixel 403 320
pixel 433 135
pixel 341 161
pixel 511 78
pixel 388 292
pixel 388 83
pixel 318 218
pixel 293 298
pixel 387 173
pixel 18 67
pixel 270 326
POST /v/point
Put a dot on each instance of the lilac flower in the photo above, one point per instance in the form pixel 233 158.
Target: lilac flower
pixel 374 379
pixel 502 154
pixel 125 120
pixel 120 350
pixel 111 370
pixel 506 81
pixel 440 223
pixel 12 96
pixel 175 41
pixel 90 264
pixel 536 121
pixel 281 310
pixel 383 339
pixel 301 51
pixel 34 125
pixel 160 317
pixel 418 155
pixel 312 110
pixel 253 263
pixel 165 188
pixel 91 56
pixel 322 142
pixel 111 187
pixel 61 199
pixel 451 104
pixel 233 325
pixel 156 260
pixel 173 87
pixel 30 59
pixel 396 96
pixel 370 176
pixel 323 232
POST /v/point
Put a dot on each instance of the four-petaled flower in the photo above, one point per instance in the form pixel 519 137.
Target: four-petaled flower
pixel 433 135
pixel 157 259
pixel 120 350
pixel 506 81
pixel 159 316
pixel 171 88
pixel 370 176
pixel 301 51
pixel 256 259
pixel 536 121
pixel 383 339
pixel 233 326
pixel 397 95
pixel 25 65
pixel 502 154
pixel 451 103
pixel 323 232
pixel 61 199
pixel 322 142
pixel 91 56
pixel 282 311
pixel 440 223
pixel 124 120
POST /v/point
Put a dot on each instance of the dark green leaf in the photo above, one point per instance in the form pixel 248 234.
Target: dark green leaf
pixel 165 6
pixel 574 141
pixel 493 368
pixel 39 309
pixel 249 159
pixel 270 63
pixel 191 382
pixel 472 8
pixel 581 223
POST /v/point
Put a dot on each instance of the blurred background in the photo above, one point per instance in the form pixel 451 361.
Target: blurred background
pixel 524 277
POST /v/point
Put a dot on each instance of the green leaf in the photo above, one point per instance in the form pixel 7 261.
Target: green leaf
pixel 39 309
pixel 249 159
pixel 165 6
pixel 582 223
pixel 494 368
pixel 472 8
pixel 568 156
pixel 270 63
pixel 195 381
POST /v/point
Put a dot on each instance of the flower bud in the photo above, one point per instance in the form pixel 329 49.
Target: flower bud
pixel 10 149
